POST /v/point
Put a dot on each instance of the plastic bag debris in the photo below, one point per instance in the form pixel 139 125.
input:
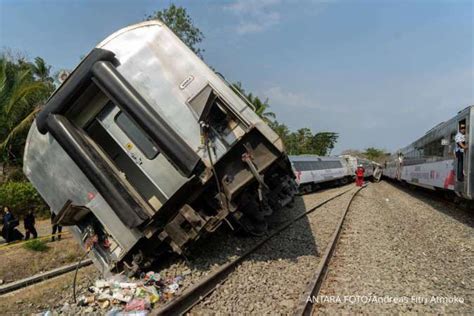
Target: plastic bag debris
pixel 123 296
pixel 137 304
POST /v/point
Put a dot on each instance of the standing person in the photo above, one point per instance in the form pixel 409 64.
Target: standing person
pixel 461 146
pixel 360 176
pixel 29 223
pixel 7 218
pixel 56 228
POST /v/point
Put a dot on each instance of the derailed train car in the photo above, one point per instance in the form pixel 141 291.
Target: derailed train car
pixel 314 171
pixel 353 162
pixel 144 148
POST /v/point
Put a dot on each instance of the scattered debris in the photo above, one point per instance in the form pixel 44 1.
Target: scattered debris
pixel 119 294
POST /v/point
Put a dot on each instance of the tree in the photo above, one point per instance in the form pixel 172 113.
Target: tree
pixel 261 107
pixel 352 152
pixel 281 129
pixel 178 20
pixel 41 70
pixel 323 143
pixel 374 154
pixel 21 95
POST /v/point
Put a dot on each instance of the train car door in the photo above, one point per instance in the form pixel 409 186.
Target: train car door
pixel 461 159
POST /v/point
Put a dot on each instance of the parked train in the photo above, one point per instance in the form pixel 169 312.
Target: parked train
pixel 430 161
pixel 314 171
pixel 145 148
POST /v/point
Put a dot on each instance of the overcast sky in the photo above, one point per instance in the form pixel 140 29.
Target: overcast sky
pixel 380 73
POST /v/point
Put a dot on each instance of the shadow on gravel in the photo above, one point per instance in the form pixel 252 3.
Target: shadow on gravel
pixel 225 245
pixel 437 200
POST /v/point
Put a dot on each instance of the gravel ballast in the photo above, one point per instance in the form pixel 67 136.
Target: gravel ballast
pixel 209 254
pixel 396 244
pixel 401 251
pixel 273 279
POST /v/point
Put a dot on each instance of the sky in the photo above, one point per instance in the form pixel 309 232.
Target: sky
pixel 379 73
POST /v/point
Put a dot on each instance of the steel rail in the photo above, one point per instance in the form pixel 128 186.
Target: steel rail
pixel 306 304
pixel 10 287
pixel 194 295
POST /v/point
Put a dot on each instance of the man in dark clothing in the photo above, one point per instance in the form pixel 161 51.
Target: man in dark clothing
pixel 7 218
pixel 29 222
pixel 56 228
pixel 9 233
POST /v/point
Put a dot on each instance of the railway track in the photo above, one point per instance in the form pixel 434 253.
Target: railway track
pixel 306 305
pixel 195 294
pixel 41 277
pixel 202 289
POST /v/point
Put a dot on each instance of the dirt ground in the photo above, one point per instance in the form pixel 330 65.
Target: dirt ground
pixel 55 293
pixel 19 262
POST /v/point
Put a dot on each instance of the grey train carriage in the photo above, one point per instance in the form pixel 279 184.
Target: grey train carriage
pixel 430 161
pixel 144 149
pixel 313 171
pixel 353 162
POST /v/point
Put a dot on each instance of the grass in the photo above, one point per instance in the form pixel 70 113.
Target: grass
pixel 20 262
pixel 36 245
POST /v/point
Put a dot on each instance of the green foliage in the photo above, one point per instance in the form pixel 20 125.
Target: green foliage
pixel 36 245
pixel 297 143
pixel 261 107
pixel 178 20
pixel 21 196
pixel 304 142
pixel 375 154
pixel 24 87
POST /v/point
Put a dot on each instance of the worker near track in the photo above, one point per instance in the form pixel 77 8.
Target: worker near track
pixel 29 224
pixel 360 176
pixel 461 146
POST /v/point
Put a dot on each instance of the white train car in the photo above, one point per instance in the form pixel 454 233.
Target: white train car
pixel 353 162
pixel 312 171
pixel 430 161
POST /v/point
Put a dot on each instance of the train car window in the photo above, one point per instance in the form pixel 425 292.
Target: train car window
pixel 434 149
pixel 137 136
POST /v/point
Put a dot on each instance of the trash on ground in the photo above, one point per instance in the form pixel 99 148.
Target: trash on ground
pixel 122 296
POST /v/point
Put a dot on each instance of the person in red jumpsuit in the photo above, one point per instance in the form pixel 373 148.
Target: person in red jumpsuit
pixel 360 176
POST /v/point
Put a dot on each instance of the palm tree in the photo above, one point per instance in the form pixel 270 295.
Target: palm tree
pixel 41 70
pixel 18 91
pixel 260 107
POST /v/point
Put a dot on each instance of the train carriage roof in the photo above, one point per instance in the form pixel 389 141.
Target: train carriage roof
pixel 313 158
